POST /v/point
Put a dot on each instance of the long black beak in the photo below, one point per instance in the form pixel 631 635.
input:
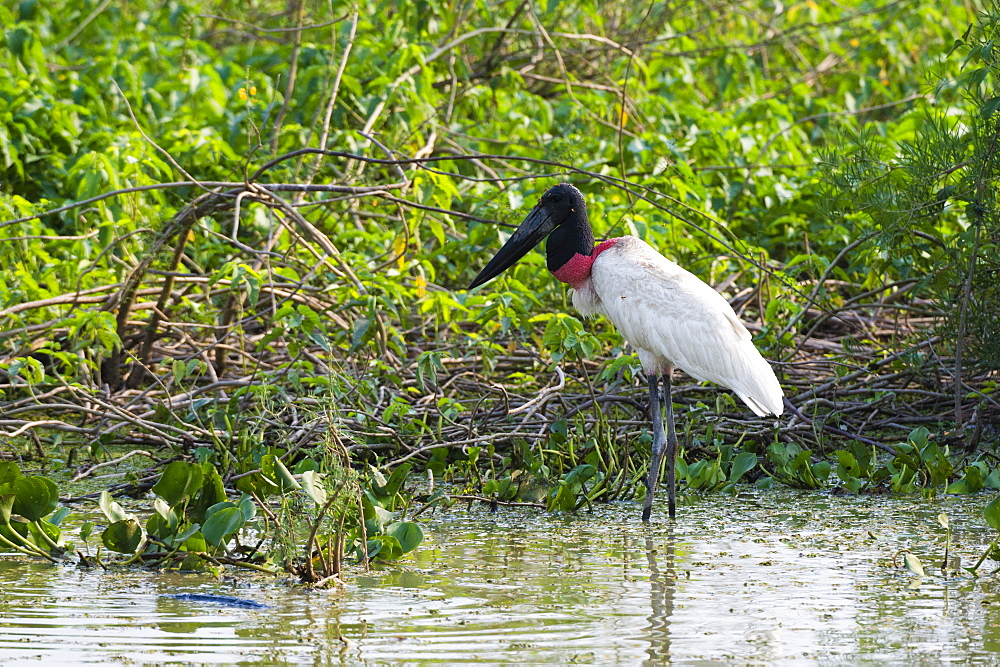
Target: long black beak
pixel 535 227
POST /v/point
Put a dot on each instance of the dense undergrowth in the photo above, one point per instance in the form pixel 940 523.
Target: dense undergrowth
pixel 237 243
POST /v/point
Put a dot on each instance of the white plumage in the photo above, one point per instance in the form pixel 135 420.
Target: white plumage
pixel 669 316
pixel 674 319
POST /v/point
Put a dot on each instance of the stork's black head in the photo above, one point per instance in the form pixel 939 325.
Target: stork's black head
pixel 562 212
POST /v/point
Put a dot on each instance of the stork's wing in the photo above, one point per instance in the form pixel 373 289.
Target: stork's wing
pixel 668 314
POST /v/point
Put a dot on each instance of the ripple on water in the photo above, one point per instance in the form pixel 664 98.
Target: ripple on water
pixel 781 577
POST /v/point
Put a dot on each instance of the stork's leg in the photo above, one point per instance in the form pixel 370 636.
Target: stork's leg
pixel 671 448
pixel 659 444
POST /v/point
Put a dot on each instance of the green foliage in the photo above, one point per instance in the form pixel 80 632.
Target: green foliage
pixel 992 515
pixel 717 474
pixel 565 335
pixel 794 467
pixel 920 195
pixel 193 525
pixel 344 312
pixel 29 513
pixel 383 501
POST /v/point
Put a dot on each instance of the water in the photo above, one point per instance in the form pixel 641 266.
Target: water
pixel 779 577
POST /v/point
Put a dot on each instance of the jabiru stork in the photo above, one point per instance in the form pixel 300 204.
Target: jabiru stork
pixel 671 318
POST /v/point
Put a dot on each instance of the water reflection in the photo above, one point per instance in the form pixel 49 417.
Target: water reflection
pixel 769 577
pixel 660 557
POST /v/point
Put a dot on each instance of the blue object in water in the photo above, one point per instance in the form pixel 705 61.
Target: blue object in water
pixel 227 600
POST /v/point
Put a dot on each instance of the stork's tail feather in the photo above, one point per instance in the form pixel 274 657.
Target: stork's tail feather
pixel 762 409
pixel 759 387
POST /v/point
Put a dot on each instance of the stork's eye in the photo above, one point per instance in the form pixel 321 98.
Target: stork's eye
pixel 554 199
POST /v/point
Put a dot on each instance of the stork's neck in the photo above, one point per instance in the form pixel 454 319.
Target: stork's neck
pixel 571 252
pixel 573 237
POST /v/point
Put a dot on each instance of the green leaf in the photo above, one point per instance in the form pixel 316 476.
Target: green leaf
pixel 257 485
pixel 742 464
pixel 35 497
pixel 186 534
pixel 86 530
pixel 386 493
pixel 275 472
pixel 112 510
pixel 408 534
pixel 58 516
pixel 6 509
pixel 376 517
pixel 196 542
pixel 221 524
pixel 848 464
pixel 8 473
pixel 212 492
pixel 50 530
pixel 247 506
pixel 362 333
pixel 169 516
pixel 312 482
pixel 913 564
pixel 989 107
pixel 179 482
pixel 958 487
pixel 158 527
pixel 384 547
pixel 123 537
pixel 992 513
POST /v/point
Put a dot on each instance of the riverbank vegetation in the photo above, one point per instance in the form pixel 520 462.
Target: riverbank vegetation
pixel 236 245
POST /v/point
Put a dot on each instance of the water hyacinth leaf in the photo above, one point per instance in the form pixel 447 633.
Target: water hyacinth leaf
pixel 169 516
pixel 376 517
pixel 218 507
pixel 112 510
pixel 248 507
pixel 275 472
pixel 16 531
pixel 50 531
pixel 848 465
pixel 212 491
pixel 681 468
pixel 58 516
pixel 192 563
pixel 196 542
pixel 992 513
pixel 958 487
pixel 256 485
pixel 822 470
pixel 913 564
pixel 123 537
pixel 408 534
pixel 187 533
pixel 9 471
pixel 397 478
pixel 384 493
pixel 580 475
pixel 86 530
pixel 384 547
pixel 742 464
pixel 222 524
pixel 158 527
pixel 179 482
pixel 312 482
pixel 6 508
pixel 35 497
